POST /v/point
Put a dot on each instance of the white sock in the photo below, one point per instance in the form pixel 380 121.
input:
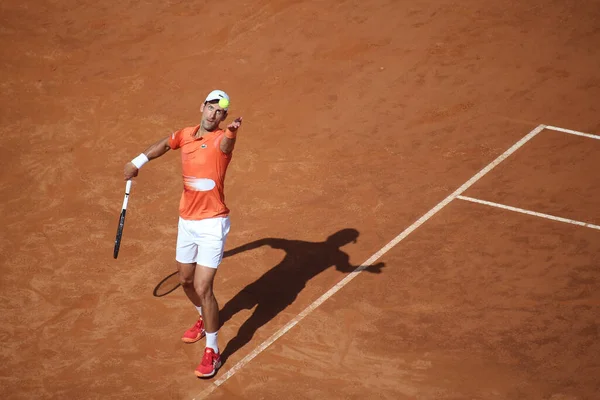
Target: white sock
pixel 211 341
pixel 199 310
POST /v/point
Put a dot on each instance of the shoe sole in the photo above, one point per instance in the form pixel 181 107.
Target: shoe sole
pixel 201 375
pixel 188 340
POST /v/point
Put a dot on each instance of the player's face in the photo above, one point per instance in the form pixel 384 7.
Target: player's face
pixel 212 115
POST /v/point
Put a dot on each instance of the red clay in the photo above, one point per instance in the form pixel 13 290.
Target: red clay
pixel 357 115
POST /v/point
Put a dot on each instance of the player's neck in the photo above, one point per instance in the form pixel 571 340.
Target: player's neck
pixel 201 132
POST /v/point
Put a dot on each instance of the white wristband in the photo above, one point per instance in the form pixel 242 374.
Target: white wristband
pixel 140 160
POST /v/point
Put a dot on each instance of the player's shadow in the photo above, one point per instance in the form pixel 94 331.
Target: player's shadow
pixel 277 288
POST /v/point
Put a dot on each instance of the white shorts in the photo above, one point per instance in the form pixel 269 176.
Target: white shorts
pixel 202 241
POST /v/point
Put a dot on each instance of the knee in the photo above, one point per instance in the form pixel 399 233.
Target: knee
pixel 204 289
pixel 186 281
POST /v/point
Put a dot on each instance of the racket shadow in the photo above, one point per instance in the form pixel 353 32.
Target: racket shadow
pixel 279 287
pixel 167 285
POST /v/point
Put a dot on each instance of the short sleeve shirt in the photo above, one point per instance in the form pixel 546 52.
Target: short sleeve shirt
pixel 203 167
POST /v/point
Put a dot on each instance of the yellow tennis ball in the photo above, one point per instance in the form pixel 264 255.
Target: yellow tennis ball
pixel 223 103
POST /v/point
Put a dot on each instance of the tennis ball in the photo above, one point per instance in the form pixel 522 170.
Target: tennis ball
pixel 223 103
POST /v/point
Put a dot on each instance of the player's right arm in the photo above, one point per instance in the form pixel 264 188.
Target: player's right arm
pixel 154 151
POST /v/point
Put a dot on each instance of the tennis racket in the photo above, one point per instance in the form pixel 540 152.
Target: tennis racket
pixel 122 220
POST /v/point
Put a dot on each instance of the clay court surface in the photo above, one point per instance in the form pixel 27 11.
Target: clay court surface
pixel 359 119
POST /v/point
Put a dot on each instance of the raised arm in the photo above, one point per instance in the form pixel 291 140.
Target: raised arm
pixel 154 151
pixel 228 142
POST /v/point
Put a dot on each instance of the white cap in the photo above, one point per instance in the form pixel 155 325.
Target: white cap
pixel 217 95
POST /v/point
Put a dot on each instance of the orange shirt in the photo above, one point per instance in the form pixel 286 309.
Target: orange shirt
pixel 204 166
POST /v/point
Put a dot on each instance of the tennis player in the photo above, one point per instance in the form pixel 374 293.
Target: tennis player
pixel 206 151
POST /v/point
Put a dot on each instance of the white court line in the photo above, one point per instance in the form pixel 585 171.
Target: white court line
pixel 364 265
pixel 523 211
pixel 572 132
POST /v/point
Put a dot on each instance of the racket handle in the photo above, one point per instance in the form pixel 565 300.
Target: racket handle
pixel 126 198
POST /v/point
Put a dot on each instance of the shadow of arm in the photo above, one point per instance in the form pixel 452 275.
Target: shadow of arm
pixel 249 246
pixel 343 265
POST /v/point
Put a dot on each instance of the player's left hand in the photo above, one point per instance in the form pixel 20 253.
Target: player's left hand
pixel 234 126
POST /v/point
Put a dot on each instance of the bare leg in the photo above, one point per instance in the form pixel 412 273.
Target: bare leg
pixel 203 284
pixel 186 278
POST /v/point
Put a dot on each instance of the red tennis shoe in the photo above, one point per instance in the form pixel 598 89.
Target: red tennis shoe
pixel 211 362
pixel 195 333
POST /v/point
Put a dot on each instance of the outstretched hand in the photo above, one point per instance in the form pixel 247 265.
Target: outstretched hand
pixel 234 126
